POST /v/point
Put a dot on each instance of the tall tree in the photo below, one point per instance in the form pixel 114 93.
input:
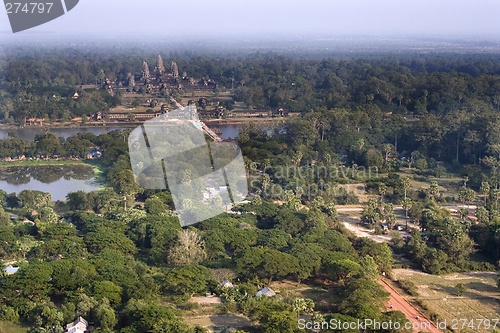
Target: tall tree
pixel 190 249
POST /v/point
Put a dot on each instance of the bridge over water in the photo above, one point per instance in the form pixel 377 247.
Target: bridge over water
pixel 200 125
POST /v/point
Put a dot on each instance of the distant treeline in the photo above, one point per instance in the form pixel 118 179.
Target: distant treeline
pixel 404 84
pixel 76 146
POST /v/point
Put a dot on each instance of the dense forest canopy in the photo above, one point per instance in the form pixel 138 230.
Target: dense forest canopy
pixel 124 262
pixel 455 96
pixel 415 84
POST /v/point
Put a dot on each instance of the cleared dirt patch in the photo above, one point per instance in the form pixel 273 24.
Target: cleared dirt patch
pixel 218 323
pixel 205 300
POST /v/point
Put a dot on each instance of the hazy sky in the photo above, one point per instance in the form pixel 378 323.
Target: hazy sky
pixel 264 18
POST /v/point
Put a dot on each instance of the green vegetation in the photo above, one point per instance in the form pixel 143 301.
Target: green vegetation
pixel 414 134
pixel 117 269
pixel 38 163
pixel 9 327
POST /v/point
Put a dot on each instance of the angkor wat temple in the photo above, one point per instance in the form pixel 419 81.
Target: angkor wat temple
pixel 161 80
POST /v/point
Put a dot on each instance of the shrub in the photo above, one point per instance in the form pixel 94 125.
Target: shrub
pixel 409 287
pixel 9 314
pixel 460 289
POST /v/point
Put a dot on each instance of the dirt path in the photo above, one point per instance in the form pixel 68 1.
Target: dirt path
pixel 352 225
pixel 417 318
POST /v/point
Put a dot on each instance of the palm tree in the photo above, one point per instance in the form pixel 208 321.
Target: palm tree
pixel 382 189
pixel 299 305
pixel 434 190
pixel 407 204
pixel 485 190
pixel 406 185
pixel 303 305
pixel 309 305
pixel 496 196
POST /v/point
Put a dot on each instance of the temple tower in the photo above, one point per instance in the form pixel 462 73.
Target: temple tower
pixel 131 80
pixel 174 69
pixel 145 70
pixel 160 68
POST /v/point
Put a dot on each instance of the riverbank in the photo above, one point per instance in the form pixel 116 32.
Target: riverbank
pixel 100 171
pixel 72 125
pixel 7 164
pixel 238 122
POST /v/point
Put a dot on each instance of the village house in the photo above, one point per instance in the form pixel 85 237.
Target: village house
pixel 10 270
pixel 226 284
pixel 80 325
pixel 265 292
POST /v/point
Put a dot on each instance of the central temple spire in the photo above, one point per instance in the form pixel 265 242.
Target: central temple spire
pixel 160 68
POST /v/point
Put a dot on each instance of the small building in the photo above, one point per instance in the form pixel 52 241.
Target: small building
pixel 9 270
pixel 34 121
pixel 280 112
pixel 80 325
pixel 26 221
pixel 75 95
pixel 226 284
pixel 212 192
pixel 97 116
pixel 94 154
pixel 265 292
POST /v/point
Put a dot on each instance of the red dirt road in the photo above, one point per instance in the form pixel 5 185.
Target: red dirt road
pixel 398 302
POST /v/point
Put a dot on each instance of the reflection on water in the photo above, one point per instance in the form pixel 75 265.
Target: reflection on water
pixel 61 180
pixel 30 133
pixel 57 180
pixel 228 131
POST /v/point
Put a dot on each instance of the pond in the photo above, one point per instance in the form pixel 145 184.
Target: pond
pixel 61 180
pixel 54 179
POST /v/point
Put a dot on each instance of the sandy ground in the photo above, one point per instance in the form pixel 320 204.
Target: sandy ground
pixel 205 300
pixel 352 224
pixel 218 323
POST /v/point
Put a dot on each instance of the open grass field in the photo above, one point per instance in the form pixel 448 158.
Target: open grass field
pixel 437 294
pixel 6 327
pixel 6 164
pixel 448 185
